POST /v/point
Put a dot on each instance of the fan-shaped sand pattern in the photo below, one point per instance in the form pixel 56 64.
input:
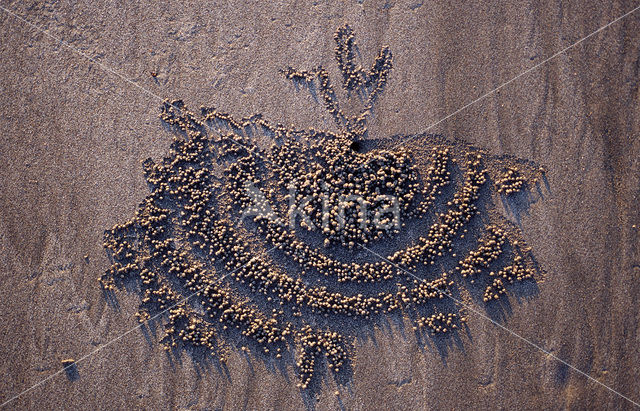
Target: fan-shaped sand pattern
pixel 218 228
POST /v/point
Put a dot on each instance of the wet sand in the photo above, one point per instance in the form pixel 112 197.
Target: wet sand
pixel 74 136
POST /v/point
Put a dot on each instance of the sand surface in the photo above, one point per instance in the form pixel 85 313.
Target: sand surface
pixel 74 136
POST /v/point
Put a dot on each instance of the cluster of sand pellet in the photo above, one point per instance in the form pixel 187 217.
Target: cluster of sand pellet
pixel 199 246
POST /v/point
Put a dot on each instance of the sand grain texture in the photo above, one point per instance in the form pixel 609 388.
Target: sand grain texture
pixel 74 137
